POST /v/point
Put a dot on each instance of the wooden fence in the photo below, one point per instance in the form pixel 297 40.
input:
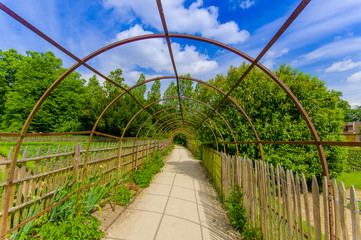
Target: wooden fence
pixel 280 202
pixel 39 180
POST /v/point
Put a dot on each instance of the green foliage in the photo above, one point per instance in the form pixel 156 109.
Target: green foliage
pixel 29 76
pixel 235 210
pixel 353 159
pixel 237 215
pixel 76 227
pixel 26 229
pixel 276 118
pixel 353 114
pixel 180 139
pixel 62 222
pixel 252 233
pixel 124 195
pixel 144 175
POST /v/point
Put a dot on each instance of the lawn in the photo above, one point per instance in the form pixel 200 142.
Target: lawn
pixel 350 178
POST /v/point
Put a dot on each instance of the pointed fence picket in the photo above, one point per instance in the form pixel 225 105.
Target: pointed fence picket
pixel 280 202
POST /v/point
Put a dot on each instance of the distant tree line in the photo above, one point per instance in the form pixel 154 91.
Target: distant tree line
pixel 76 104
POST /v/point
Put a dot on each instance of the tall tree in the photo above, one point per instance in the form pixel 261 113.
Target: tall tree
pixel 171 91
pixel 33 74
pixel 9 63
pixel 276 117
pixel 95 102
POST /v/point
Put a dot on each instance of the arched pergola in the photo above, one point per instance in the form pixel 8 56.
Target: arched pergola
pixel 171 124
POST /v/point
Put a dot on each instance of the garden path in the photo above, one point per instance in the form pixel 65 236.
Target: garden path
pixel 179 204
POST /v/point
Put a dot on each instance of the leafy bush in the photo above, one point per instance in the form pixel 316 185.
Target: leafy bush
pixel 237 215
pixel 236 212
pixel 143 176
pixel 252 233
pixel 124 195
pixel 75 227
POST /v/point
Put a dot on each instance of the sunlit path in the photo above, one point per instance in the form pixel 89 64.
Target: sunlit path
pixel 179 204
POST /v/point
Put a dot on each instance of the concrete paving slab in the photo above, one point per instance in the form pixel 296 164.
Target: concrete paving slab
pixel 173 228
pixel 183 209
pixel 150 202
pixel 183 193
pixel 135 225
pixel 160 189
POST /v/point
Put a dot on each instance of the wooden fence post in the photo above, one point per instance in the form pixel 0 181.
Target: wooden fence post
pixel 355 215
pixel 77 158
pixel 316 208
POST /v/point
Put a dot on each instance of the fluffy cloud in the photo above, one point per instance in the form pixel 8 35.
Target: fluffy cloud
pixel 152 55
pixel 343 66
pixel 356 77
pixel 246 4
pixel 192 20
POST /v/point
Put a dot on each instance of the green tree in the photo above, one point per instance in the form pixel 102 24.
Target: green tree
pixel 353 114
pixel 9 63
pixel 171 91
pixel 30 78
pixel 277 119
pixel 94 104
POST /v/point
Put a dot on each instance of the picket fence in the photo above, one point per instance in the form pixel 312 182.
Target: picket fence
pixel 39 183
pixel 279 201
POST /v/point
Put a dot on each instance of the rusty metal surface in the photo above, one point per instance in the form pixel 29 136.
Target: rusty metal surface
pixel 164 24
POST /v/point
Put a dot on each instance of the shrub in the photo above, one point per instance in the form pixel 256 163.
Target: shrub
pixel 75 227
pixel 236 212
pixel 124 195
pixel 252 233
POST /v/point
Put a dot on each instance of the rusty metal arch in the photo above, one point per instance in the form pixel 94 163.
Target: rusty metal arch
pixel 195 100
pixel 165 129
pixel 179 123
pixel 255 62
pixel 172 114
pixel 190 134
pixel 176 125
pixel 191 114
pixel 183 131
pixel 183 119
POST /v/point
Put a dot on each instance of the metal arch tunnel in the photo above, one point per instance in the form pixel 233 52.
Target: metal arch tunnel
pixel 178 126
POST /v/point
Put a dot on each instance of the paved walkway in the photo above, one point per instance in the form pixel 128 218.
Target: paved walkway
pixel 179 204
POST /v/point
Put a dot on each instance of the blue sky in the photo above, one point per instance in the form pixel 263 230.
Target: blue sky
pixel 325 40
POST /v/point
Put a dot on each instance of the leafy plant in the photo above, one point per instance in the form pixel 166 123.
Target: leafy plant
pixel 124 195
pixel 26 229
pixel 76 227
pixel 235 210
pixel 252 233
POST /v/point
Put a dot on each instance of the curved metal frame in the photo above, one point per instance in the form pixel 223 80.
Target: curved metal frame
pixel 182 114
pixel 191 99
pixel 192 120
pixel 254 62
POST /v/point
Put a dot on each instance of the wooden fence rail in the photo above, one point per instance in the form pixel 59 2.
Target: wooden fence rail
pixel 36 178
pixel 279 201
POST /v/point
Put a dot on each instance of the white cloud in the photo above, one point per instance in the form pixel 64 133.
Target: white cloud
pixel 356 77
pixel 193 20
pixel 336 49
pixel 246 4
pixel 351 91
pixel 343 66
pixel 152 55
pixel 270 58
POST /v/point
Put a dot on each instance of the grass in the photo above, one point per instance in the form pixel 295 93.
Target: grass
pixel 350 178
